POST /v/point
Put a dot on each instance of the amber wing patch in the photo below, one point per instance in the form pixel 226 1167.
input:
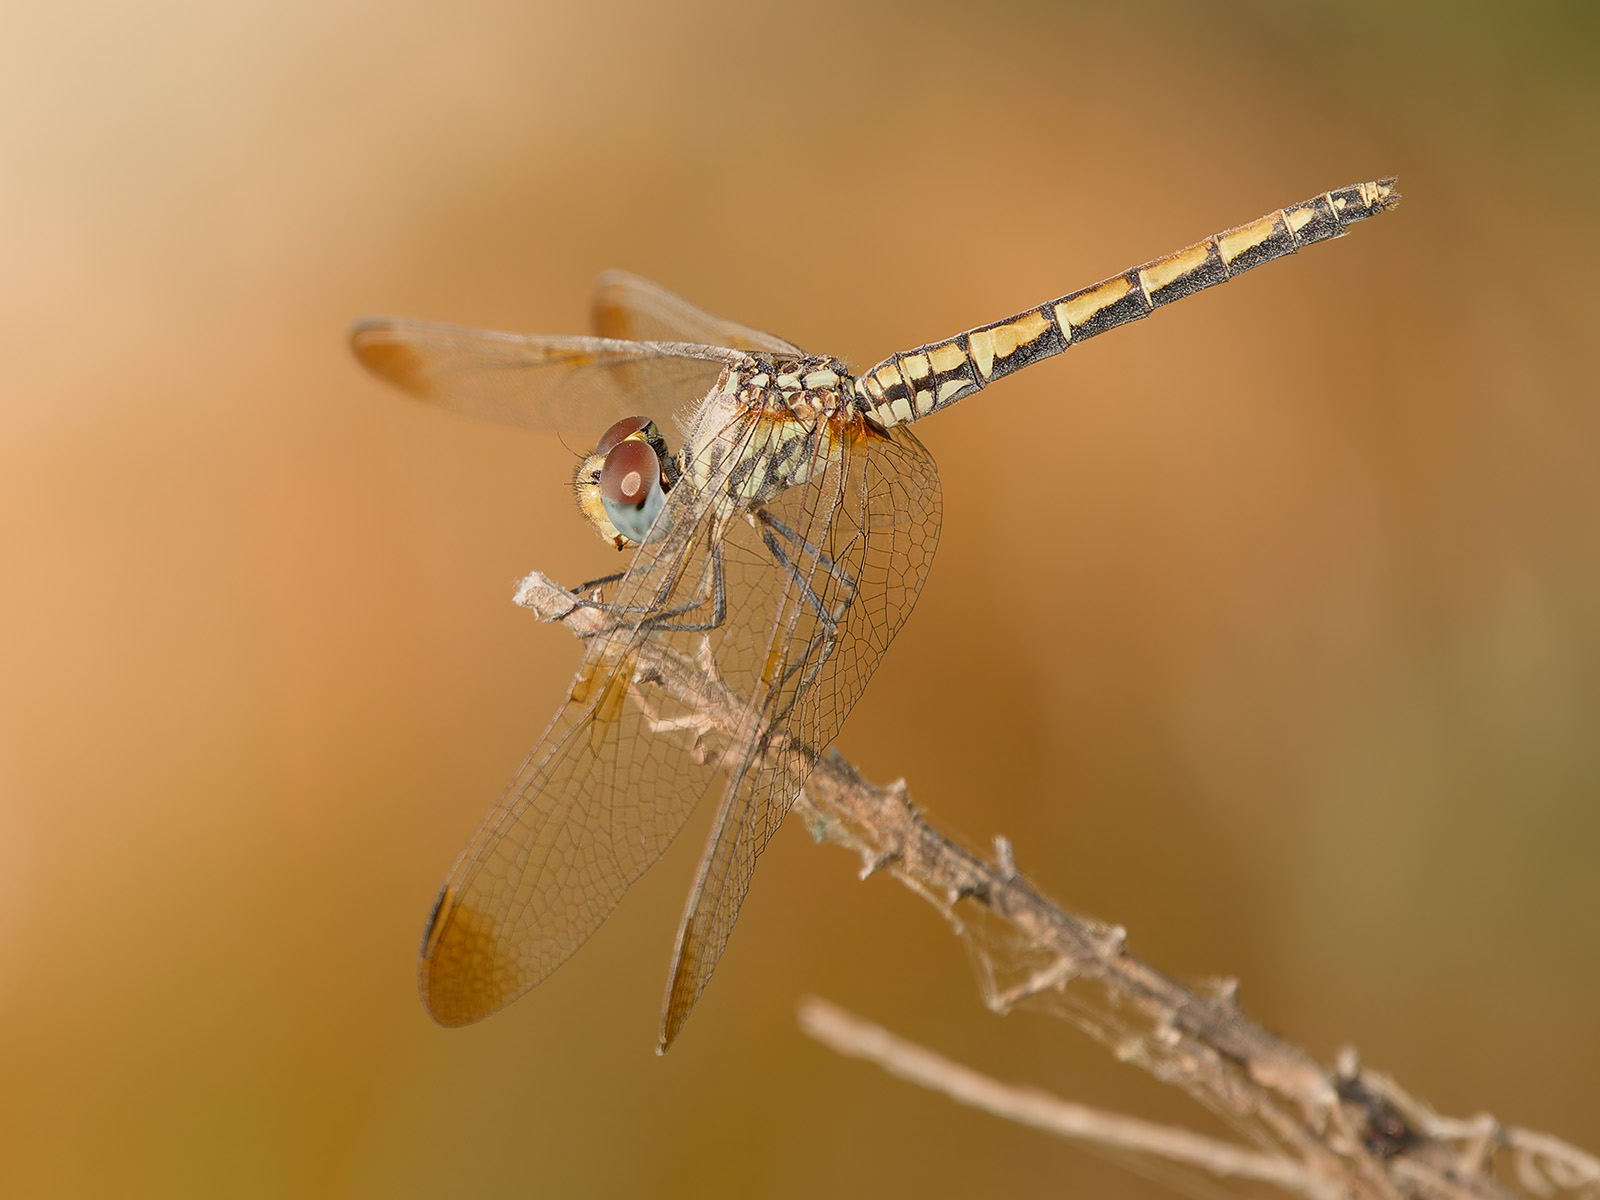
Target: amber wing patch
pixel 464 975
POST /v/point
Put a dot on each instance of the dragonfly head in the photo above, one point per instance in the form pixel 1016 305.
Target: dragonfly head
pixel 623 484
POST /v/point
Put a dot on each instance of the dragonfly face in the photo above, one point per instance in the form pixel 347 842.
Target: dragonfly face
pixel 775 558
pixel 622 487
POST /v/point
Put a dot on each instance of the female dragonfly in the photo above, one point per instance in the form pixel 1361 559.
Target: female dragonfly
pixel 781 547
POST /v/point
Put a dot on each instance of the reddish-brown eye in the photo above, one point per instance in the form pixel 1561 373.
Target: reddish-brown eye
pixel 630 471
pixel 620 432
pixel 630 489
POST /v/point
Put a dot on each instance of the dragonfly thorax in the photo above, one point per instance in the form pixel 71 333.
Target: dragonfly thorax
pixel 770 424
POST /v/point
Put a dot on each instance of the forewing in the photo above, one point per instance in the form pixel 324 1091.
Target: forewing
pixel 541 382
pixel 599 799
pixel 862 539
pixel 630 306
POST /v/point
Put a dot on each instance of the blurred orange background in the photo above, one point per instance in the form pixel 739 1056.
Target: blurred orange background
pixel 1268 628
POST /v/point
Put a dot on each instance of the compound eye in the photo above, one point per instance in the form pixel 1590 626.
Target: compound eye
pixel 630 488
pixel 619 433
pixel 631 470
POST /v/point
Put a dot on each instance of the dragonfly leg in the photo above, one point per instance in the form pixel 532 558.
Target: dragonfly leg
pixel 583 588
pixel 660 620
pixel 826 638
pixel 833 568
pixel 653 615
pixel 828 620
pixel 587 594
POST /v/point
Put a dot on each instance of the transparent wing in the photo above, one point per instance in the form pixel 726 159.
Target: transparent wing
pixel 630 306
pixel 624 762
pixel 542 382
pixel 597 801
pixel 858 544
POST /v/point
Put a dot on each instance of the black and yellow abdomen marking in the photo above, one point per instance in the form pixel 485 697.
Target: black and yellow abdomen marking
pixel 908 386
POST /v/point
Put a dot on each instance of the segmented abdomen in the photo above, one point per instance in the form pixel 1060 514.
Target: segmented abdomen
pixel 908 386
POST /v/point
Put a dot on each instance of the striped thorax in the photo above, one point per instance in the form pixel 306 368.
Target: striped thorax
pixel 783 419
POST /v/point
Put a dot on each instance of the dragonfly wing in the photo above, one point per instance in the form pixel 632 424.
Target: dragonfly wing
pixel 611 783
pixel 540 382
pixel 626 759
pixel 859 542
pixel 630 306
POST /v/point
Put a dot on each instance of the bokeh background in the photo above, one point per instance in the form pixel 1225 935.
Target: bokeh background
pixel 1268 628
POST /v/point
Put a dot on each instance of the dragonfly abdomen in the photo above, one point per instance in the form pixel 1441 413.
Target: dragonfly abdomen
pixel 908 386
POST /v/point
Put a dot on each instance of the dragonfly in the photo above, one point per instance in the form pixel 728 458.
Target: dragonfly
pixel 781 546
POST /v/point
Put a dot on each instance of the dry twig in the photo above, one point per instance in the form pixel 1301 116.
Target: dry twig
pixel 848 1034
pixel 1345 1132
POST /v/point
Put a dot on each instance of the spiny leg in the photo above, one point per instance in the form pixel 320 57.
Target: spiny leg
pixel 827 635
pixel 658 620
pixel 835 570
pixel 581 590
pixel 815 553
pixel 830 623
pixel 655 615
